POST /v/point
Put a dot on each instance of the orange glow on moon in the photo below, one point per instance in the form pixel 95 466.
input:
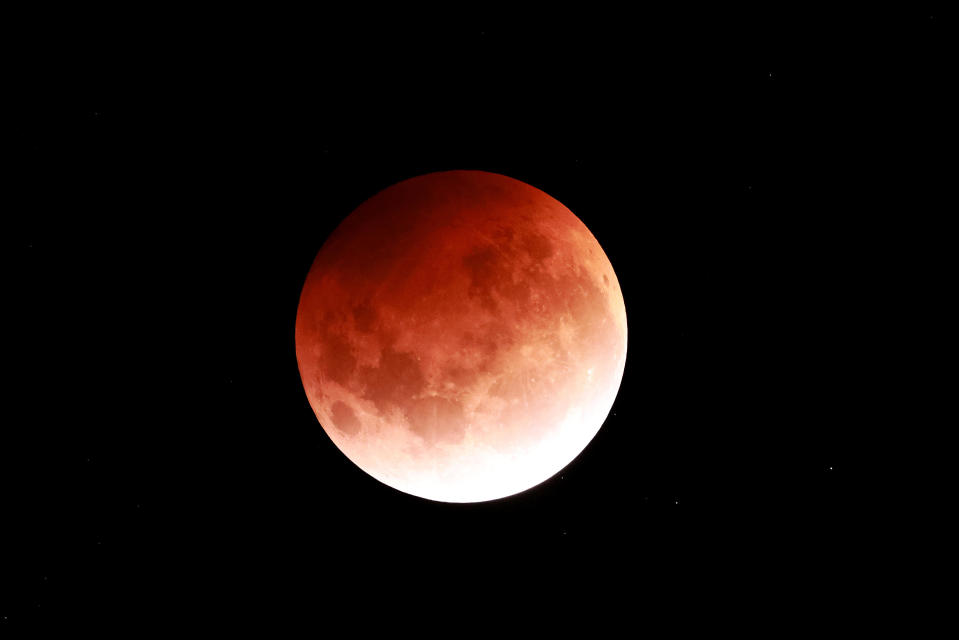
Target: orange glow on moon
pixel 461 336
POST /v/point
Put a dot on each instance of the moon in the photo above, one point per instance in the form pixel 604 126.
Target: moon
pixel 461 336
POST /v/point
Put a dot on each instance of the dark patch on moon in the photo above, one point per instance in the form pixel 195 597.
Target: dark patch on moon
pixel 538 247
pixel 345 419
pixel 462 377
pixel 486 274
pixel 337 359
pixel 437 419
pixel 504 234
pixel 392 383
pixel 489 340
pixel 364 317
pixel 518 292
pixel 491 272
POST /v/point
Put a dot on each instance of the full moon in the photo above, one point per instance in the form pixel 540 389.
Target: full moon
pixel 461 336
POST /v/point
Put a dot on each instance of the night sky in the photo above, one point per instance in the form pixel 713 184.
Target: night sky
pixel 175 176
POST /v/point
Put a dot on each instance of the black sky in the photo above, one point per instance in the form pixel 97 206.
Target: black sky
pixel 746 173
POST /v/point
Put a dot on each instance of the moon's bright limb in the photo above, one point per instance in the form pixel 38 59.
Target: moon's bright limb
pixel 461 336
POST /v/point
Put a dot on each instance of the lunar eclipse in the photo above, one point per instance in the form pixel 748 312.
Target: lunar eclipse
pixel 461 336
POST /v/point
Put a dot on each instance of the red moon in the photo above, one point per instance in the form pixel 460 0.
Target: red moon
pixel 461 336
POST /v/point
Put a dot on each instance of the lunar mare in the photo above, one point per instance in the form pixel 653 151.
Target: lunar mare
pixel 461 336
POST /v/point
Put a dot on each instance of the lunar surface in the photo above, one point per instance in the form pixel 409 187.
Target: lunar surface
pixel 461 336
